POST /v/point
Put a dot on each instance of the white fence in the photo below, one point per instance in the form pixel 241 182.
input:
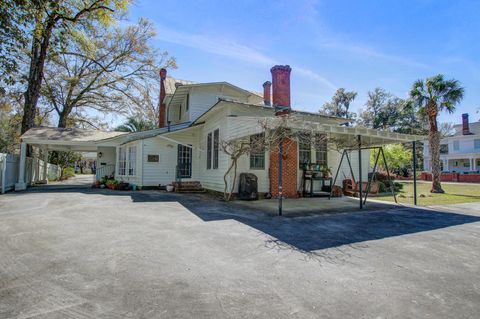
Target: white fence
pixel 33 171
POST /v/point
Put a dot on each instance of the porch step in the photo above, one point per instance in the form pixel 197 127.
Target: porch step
pixel 188 187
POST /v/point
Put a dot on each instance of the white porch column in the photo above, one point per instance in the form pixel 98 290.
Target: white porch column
pixel 21 168
pixel 4 172
pixel 471 164
pixel 36 162
pixel 45 166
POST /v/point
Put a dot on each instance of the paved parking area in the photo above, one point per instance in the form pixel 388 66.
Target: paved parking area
pixel 81 253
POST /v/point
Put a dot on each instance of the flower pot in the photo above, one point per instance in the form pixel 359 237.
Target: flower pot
pixel 170 188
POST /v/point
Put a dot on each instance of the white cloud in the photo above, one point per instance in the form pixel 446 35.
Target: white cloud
pixel 232 49
pixel 368 52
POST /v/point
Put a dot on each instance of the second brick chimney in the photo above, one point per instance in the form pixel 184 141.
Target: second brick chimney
pixel 281 86
pixel 465 125
pixel 162 108
pixel 267 88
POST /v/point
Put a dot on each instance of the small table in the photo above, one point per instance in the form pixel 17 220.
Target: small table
pixel 326 181
pixel 323 180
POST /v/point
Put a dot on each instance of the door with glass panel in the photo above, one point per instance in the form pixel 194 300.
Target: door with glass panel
pixel 184 161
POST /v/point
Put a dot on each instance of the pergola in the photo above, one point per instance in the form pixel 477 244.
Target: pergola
pixel 369 139
pixel 60 139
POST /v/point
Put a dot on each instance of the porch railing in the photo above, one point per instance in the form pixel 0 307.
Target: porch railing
pixel 104 170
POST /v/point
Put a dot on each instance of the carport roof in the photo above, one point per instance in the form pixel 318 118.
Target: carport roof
pixel 67 134
pixel 74 139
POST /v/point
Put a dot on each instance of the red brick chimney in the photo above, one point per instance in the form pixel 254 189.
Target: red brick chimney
pixel 162 108
pixel 465 126
pixel 281 87
pixel 281 101
pixel 267 87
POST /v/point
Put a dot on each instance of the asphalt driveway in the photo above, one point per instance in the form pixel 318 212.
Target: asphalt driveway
pixel 78 253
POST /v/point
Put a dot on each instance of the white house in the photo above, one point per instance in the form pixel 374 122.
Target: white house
pixel 459 153
pixel 194 118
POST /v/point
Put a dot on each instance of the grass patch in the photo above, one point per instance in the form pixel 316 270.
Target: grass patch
pixel 454 194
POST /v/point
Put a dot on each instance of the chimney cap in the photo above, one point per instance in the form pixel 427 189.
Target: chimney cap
pixel 163 73
pixel 267 83
pixel 281 68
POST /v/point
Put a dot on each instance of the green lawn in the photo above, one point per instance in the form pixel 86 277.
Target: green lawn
pixel 454 194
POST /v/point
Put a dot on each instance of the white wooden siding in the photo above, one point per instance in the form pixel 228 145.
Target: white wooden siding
pixel 203 98
pixel 108 155
pixel 163 171
pixel 213 178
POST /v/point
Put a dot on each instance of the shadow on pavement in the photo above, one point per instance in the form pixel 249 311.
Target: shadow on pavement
pixel 308 233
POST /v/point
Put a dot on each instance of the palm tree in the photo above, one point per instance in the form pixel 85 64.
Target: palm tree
pixel 135 125
pixel 433 95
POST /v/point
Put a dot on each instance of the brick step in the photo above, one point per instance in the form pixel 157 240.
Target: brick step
pixel 187 184
pixel 190 191
pixel 189 188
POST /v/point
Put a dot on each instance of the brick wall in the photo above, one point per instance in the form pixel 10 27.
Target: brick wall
pixel 289 170
pixel 453 177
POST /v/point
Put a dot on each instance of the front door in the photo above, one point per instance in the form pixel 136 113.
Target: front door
pixel 184 162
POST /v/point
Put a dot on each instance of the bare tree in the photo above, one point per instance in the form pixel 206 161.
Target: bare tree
pixel 51 16
pixel 103 72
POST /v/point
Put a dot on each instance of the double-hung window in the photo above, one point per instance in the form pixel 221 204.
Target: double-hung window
pixel 476 144
pixel 127 161
pixel 321 149
pixel 456 145
pixel 209 151
pixel 216 144
pixel 122 161
pixel 304 153
pixel 213 145
pixel 257 153
pixel 132 160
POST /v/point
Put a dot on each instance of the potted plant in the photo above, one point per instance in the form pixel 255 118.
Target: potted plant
pixel 326 171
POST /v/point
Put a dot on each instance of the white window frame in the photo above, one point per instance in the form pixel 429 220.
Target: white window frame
pixel 132 160
pixel 257 157
pixel 456 145
pixel 127 160
pixel 122 161
pixel 476 144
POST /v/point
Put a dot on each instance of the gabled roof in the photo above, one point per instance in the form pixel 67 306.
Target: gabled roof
pixel 334 119
pixel 182 91
pixel 170 84
pixel 474 129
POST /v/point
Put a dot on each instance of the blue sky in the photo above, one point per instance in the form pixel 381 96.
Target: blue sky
pixel 358 45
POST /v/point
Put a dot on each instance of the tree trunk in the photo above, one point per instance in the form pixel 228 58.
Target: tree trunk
pixel 234 179
pixel 62 120
pixel 39 52
pixel 225 194
pixel 434 147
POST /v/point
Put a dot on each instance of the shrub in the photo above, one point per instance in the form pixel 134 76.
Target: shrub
pixel 381 187
pixel 397 186
pixel 68 172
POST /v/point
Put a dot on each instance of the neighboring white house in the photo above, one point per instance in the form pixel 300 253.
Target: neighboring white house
pixel 459 153
pixel 194 118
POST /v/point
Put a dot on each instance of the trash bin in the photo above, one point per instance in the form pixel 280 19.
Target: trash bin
pixel 248 187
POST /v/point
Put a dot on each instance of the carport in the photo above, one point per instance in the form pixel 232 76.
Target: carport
pixel 60 139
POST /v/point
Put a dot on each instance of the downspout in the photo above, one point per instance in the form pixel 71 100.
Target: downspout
pixel 168 117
